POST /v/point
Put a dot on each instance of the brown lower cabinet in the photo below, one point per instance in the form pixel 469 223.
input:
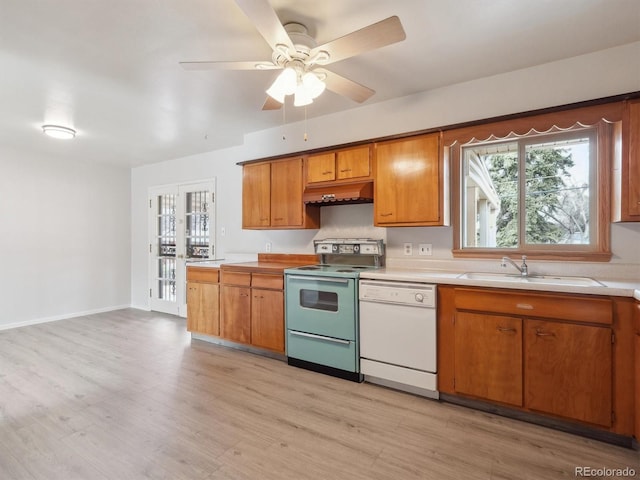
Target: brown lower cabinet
pixel 637 370
pixel 568 370
pixel 236 313
pixel 203 300
pixel 252 309
pixel 560 355
pixel 493 373
pixel 267 319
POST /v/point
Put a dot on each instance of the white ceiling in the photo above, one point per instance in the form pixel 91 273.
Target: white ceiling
pixel 109 68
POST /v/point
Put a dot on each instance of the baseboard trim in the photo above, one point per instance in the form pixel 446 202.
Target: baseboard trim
pixel 65 316
pixel 144 308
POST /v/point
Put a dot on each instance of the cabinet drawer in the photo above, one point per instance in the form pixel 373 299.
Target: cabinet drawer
pixel 565 307
pixel 202 274
pixel 236 278
pixel 265 280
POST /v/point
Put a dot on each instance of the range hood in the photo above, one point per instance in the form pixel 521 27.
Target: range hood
pixel 339 194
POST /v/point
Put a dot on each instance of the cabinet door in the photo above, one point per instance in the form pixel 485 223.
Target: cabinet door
pixel 353 163
pixel 256 195
pixel 210 304
pixel 267 319
pixel 408 182
pixel 235 322
pixel 637 370
pixel 286 193
pixel 194 306
pixel 488 357
pixel 203 308
pixel 633 159
pixel 568 370
pixel 321 168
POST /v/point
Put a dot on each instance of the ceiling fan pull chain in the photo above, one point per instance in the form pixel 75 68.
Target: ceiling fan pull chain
pixel 305 123
pixel 284 123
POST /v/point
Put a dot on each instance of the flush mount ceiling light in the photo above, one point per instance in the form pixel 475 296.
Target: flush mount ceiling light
pixel 58 131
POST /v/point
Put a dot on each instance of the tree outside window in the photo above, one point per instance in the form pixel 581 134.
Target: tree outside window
pixel 535 191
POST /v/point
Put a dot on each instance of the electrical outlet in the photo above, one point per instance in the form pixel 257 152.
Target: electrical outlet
pixel 408 249
pixel 425 249
pixel 267 247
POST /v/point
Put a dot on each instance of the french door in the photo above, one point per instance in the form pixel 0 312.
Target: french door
pixel 181 229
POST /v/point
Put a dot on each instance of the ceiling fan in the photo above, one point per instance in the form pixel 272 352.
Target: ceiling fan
pixel 301 59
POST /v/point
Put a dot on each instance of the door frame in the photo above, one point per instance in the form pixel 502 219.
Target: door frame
pixel 179 306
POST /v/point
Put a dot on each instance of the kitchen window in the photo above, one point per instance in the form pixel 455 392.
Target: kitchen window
pixel 531 192
pixel 543 192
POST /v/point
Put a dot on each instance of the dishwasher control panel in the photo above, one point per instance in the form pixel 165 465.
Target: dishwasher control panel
pixel 415 294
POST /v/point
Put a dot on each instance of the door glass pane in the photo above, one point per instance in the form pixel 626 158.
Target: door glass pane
pixel 197 224
pixel 167 279
pixel 166 237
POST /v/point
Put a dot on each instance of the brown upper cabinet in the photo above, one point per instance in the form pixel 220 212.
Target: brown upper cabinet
pixel 626 181
pixel 272 196
pixel 411 184
pixel 341 165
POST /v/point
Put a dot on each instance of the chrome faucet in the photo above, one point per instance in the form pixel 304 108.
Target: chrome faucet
pixel 523 269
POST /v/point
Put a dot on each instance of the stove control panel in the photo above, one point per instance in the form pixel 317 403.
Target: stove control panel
pixel 346 246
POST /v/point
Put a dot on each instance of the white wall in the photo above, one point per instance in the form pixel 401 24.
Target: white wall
pixel 64 237
pixel 600 74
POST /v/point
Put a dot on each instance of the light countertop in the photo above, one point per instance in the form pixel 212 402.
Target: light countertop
pixel 450 277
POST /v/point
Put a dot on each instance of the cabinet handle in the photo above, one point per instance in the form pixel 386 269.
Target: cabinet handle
pixel 386 214
pixel 328 172
pixel 541 333
pixel 345 170
pixel 524 306
pixel 244 294
pixel 278 218
pixel 506 330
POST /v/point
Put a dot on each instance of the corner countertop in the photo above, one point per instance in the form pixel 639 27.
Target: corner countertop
pixel 260 263
pixel 259 267
pixel 622 288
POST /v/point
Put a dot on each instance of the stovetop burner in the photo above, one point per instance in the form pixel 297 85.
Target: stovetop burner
pixel 346 270
pixel 310 267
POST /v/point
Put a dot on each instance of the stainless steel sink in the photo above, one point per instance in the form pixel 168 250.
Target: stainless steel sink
pixel 534 279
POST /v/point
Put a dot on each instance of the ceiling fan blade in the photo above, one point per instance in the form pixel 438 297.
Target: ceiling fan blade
pixel 348 88
pixel 266 22
pixel 374 36
pixel 271 104
pixel 228 66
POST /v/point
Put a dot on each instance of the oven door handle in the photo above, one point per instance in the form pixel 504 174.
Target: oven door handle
pixel 344 281
pixel 319 337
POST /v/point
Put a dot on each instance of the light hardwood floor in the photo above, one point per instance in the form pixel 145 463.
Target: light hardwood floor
pixel 128 395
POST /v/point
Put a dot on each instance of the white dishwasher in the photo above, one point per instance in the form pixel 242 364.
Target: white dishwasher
pixel 398 335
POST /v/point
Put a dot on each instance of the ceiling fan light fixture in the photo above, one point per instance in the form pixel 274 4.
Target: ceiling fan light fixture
pixel 302 97
pixel 313 85
pixel 58 131
pixel 284 84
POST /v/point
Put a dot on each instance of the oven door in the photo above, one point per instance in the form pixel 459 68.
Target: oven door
pixel 321 305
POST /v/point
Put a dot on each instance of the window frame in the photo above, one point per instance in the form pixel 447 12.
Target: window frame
pixel 601 118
